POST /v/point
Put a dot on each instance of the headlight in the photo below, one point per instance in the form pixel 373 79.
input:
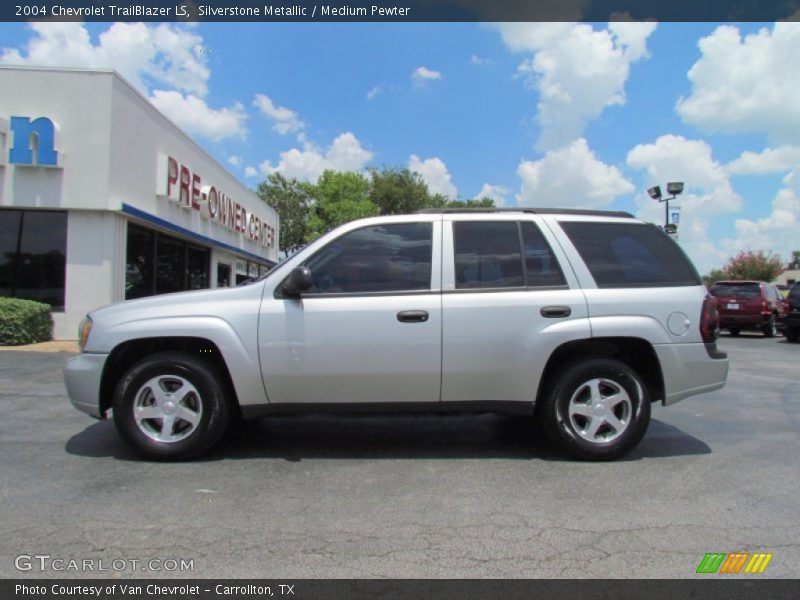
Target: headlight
pixel 83 331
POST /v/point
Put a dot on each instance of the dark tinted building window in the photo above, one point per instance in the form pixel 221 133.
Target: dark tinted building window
pixel 631 255
pixel 196 268
pixel 223 275
pixel 487 254
pixel 33 255
pixel 382 258
pixel 140 264
pixel 158 264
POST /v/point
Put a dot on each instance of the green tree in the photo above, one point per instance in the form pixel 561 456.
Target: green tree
pixel 291 201
pixel 758 265
pixel 398 191
pixel 339 197
pixel 714 275
pixel 484 202
pixel 794 263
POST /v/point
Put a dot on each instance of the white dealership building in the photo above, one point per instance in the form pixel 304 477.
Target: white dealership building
pixel 102 199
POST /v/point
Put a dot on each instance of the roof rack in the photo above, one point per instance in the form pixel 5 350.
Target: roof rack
pixel 535 211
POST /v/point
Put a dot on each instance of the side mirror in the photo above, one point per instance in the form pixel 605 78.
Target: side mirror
pixel 299 281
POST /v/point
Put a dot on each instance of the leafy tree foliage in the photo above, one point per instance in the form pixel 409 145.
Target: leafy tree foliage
pixel 291 201
pixel 753 264
pixel 398 191
pixel 484 202
pixel 307 210
pixel 339 197
pixel 714 276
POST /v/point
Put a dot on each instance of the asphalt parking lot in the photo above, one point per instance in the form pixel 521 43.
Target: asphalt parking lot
pixel 410 496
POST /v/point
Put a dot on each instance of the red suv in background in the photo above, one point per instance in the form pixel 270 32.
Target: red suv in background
pixel 748 305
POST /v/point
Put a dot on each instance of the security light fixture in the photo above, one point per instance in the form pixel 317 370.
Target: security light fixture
pixel 675 187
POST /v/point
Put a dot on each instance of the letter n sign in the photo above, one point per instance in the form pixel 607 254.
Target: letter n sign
pixel 38 135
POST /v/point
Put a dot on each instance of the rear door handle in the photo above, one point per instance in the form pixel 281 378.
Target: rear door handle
pixel 412 316
pixel 555 312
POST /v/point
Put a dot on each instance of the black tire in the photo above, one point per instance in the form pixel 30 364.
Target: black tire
pixel 734 332
pixel 199 385
pixel 770 328
pixel 792 334
pixel 568 387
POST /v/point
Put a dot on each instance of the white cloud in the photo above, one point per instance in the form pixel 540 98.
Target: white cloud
pixel 707 194
pixel 478 61
pixel 522 37
pixel 434 172
pixel 776 232
pixel 770 160
pixel 146 55
pixel 577 71
pixel 285 120
pixel 250 171
pixel 571 177
pixel 143 54
pixel 424 74
pixel 747 85
pixel 374 92
pixel 235 160
pixel 195 116
pixel 498 193
pixel 345 154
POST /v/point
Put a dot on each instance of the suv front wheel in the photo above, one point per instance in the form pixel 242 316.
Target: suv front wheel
pixel 171 406
pixel 596 409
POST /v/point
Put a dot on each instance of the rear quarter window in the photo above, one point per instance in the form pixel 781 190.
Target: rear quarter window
pixel 631 255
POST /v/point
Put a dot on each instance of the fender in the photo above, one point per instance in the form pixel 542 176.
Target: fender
pixel 241 357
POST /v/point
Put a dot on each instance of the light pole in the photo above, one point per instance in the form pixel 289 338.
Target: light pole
pixel 673 187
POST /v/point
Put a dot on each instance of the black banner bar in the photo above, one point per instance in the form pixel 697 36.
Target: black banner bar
pixel 399 10
pixel 398 589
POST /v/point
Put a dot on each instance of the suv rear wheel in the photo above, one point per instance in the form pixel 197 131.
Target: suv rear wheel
pixel 596 409
pixel 171 406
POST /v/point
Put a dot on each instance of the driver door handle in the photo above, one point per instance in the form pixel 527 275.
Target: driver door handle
pixel 412 316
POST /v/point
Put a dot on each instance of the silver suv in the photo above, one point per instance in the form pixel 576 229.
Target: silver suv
pixel 582 318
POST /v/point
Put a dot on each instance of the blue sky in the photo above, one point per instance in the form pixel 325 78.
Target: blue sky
pixel 547 114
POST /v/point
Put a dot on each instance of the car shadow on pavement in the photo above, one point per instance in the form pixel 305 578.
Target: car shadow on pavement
pixel 297 437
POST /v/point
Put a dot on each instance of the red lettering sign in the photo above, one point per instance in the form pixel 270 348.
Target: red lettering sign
pixel 183 190
pixel 195 191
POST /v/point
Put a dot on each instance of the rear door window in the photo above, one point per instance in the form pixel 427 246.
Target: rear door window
pixel 503 254
pixel 631 255
pixel 488 255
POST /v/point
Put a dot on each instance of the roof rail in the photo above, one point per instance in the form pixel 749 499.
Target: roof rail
pixel 535 211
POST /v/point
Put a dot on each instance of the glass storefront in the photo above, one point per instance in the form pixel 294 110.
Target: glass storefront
pixel 157 263
pixel 33 253
pixel 223 275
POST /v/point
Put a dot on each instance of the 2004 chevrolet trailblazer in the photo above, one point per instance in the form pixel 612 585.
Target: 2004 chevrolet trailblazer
pixel 583 318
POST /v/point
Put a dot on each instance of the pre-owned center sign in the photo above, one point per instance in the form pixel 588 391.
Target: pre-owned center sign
pixel 180 184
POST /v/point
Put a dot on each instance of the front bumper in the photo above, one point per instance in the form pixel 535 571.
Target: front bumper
pixel 689 370
pixel 82 376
